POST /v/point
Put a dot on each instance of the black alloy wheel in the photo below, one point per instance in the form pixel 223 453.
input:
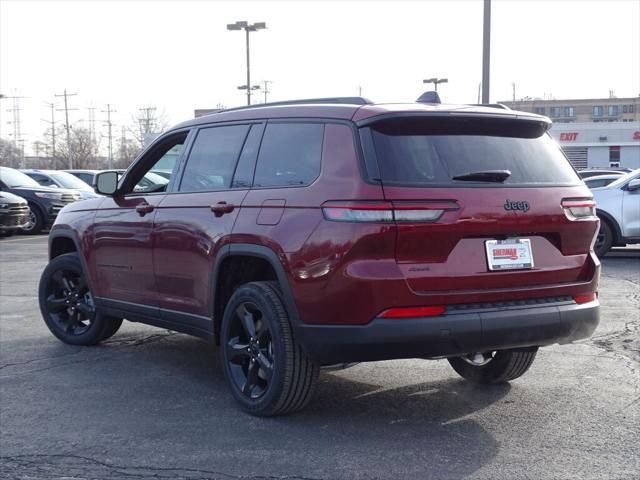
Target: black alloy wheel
pixel 250 351
pixel 69 302
pixel 267 370
pixel 67 305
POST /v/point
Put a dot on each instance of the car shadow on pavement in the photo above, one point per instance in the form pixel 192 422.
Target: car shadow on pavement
pixel 166 393
pixel 417 424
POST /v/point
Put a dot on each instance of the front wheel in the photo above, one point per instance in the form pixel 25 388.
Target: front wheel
pixel 67 304
pixel 35 223
pixel 494 367
pixel 266 368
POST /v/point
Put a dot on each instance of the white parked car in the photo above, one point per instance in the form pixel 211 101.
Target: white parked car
pixel 600 181
pixel 618 206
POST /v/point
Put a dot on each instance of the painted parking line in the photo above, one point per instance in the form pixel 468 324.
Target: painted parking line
pixel 24 239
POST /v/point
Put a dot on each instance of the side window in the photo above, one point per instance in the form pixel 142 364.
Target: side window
pixel 246 165
pixel 290 154
pixel 154 171
pixel 42 180
pixel 213 158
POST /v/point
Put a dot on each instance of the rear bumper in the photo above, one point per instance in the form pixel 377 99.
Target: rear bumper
pixel 450 334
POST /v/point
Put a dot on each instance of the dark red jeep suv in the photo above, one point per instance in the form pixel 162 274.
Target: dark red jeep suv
pixel 333 231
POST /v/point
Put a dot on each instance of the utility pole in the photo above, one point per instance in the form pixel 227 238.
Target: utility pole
pixel 92 122
pixel 513 86
pixel 359 90
pixel 17 134
pixel 52 122
pixel 265 89
pixel 109 125
pixel 67 127
pixel 486 50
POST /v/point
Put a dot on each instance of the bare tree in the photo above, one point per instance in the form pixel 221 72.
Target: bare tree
pixel 10 155
pixel 148 124
pixel 128 150
pixel 83 150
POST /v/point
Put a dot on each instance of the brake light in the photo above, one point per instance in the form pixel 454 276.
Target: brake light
pixel 580 299
pixel 420 212
pixel 577 208
pixel 413 312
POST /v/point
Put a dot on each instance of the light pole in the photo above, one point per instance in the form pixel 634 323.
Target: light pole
pixel 244 25
pixel 486 50
pixel 435 81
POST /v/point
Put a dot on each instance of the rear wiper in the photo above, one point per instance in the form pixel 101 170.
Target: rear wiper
pixel 497 176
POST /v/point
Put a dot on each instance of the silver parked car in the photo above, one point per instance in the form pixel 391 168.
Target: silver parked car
pixel 618 206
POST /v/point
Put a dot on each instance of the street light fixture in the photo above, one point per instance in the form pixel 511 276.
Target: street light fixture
pixel 247 27
pixel 435 81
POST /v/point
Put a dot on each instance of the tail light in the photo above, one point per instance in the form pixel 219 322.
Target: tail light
pixel 578 208
pixel 408 212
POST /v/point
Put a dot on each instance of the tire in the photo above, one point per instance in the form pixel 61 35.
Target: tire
pixel 604 241
pixel 112 328
pixel 36 222
pixel 67 306
pixel 506 365
pixel 265 367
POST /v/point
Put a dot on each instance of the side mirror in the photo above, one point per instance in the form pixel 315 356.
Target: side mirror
pixel 106 183
pixel 634 185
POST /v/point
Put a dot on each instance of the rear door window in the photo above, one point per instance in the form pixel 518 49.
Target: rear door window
pixel 431 152
pixel 213 157
pixel 290 154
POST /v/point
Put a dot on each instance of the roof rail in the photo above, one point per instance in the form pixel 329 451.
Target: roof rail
pixel 492 105
pixel 335 100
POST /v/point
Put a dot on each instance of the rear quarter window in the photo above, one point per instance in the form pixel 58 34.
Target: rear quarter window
pixel 434 151
pixel 290 154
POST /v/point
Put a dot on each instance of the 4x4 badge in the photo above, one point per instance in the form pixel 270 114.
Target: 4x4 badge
pixel 509 205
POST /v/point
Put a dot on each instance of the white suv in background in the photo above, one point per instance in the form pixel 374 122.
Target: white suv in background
pixel 618 206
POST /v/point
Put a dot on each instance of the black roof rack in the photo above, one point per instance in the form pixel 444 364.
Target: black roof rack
pixel 492 105
pixel 336 100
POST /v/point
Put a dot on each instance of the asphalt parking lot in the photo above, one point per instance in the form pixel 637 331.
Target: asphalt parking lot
pixel 153 404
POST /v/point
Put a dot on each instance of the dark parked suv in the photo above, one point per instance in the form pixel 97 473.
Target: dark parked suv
pixel 44 202
pixel 303 235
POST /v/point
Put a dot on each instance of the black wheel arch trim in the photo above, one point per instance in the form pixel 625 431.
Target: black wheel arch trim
pixel 71 235
pixel 615 228
pixel 265 253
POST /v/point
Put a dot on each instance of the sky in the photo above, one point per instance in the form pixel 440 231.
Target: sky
pixel 179 56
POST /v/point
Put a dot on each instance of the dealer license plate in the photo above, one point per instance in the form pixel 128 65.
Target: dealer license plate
pixel 509 254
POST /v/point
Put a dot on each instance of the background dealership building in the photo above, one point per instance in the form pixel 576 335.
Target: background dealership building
pixel 602 132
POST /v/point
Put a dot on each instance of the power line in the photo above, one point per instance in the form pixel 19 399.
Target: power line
pixel 109 125
pixel 66 117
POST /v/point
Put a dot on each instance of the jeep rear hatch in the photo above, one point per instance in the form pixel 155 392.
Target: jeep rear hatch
pixel 481 202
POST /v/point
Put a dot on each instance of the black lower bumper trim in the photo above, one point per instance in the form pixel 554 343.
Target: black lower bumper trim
pixel 449 335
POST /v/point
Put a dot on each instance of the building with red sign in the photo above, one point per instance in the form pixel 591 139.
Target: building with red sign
pixel 611 144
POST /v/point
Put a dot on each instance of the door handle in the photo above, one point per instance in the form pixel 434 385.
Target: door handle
pixel 144 208
pixel 220 208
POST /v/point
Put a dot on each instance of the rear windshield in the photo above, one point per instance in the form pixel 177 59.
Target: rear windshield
pixel 432 151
